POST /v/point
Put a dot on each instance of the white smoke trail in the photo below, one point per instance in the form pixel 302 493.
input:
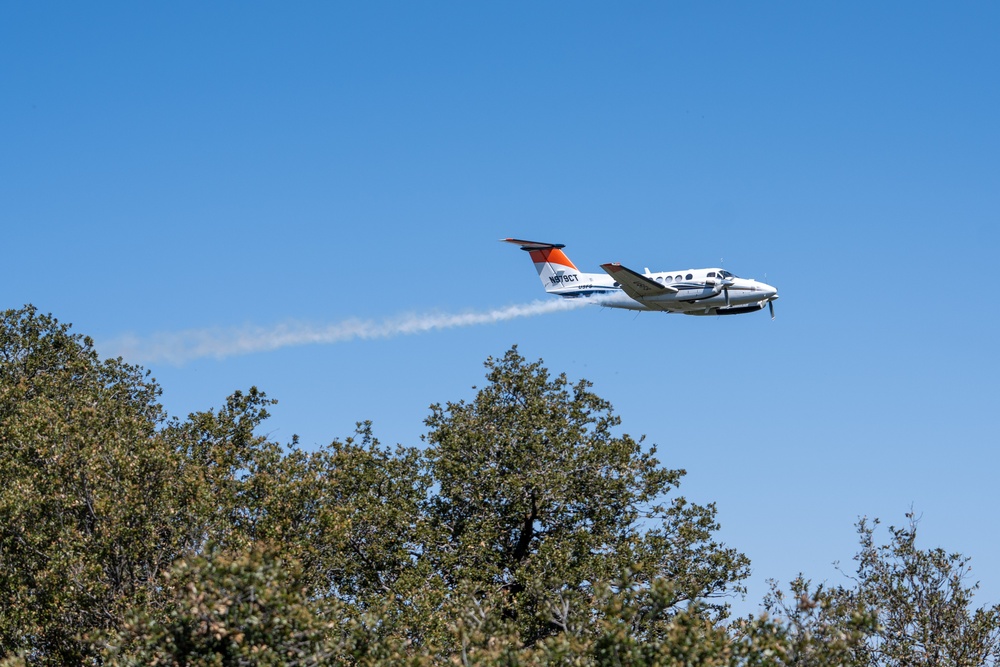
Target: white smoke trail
pixel 183 346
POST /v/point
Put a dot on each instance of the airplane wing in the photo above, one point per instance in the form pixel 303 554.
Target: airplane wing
pixel 635 284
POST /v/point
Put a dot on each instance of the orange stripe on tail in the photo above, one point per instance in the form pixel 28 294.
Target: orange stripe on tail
pixel 553 256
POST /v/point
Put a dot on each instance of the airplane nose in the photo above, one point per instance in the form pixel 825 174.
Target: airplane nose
pixel 771 292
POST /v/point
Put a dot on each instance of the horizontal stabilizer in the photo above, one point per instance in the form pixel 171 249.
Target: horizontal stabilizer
pixel 534 245
pixel 635 284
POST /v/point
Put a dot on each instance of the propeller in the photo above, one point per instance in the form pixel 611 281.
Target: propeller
pixel 770 305
pixel 722 286
pixel 726 282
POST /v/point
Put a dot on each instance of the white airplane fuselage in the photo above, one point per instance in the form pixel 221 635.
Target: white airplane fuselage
pixel 710 291
pixel 697 292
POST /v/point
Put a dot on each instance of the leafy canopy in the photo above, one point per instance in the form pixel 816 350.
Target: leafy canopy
pixel 527 529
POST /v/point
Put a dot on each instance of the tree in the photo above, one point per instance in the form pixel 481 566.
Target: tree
pixel 103 493
pixel 527 531
pixel 248 609
pixel 350 512
pixel 905 607
pixel 810 627
pixel 539 500
pixel 922 602
pixel 94 504
pixel 225 455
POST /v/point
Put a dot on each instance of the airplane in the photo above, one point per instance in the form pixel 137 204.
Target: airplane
pixel 711 291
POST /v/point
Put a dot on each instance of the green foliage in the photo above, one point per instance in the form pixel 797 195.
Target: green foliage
pixel 351 512
pixel 922 603
pixel 905 607
pixel 528 530
pixel 251 609
pixel 540 500
pixel 94 504
pixel 813 627
pixel 225 454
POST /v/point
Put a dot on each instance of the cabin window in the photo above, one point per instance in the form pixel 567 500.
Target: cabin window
pixel 688 277
pixel 659 279
pixel 670 279
pixel 677 277
pixel 711 274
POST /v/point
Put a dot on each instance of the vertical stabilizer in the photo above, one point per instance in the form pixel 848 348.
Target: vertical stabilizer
pixel 554 268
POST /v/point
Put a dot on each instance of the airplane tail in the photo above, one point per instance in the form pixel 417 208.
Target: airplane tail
pixel 557 272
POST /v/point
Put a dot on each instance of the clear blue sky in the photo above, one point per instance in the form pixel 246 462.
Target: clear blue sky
pixel 240 167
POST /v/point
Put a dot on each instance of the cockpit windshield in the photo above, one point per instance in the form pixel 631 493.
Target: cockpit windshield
pixel 726 274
